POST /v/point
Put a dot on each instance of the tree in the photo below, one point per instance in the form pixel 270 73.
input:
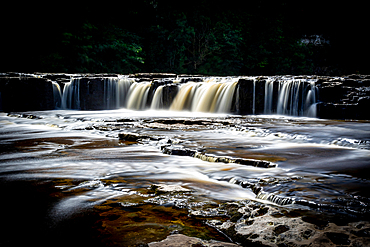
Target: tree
pixel 98 49
pixel 197 46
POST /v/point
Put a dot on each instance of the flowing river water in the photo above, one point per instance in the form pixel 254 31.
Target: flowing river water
pixel 67 178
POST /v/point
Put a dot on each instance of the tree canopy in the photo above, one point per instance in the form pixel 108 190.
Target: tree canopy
pixel 192 37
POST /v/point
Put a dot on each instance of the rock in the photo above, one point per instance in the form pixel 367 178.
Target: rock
pixel 250 93
pixel 153 75
pixel 338 238
pixel 258 225
pixel 249 162
pixel 167 188
pixel 177 151
pixel 347 98
pixel 281 229
pixel 131 137
pixel 171 150
pixel 169 93
pixel 26 94
pixel 180 240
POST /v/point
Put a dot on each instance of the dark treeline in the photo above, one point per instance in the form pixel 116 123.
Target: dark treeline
pixel 193 37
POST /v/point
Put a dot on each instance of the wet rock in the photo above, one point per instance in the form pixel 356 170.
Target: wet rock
pixel 318 222
pixel 169 93
pixel 177 151
pixel 131 137
pixel 260 194
pixel 340 98
pixel 338 238
pixel 269 231
pixel 167 188
pixel 281 229
pixel 249 162
pixel 171 150
pixel 180 240
pixel 26 94
pixel 362 233
pixel 28 116
pixel 258 226
pixel 232 210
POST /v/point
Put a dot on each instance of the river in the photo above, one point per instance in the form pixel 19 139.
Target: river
pixel 66 177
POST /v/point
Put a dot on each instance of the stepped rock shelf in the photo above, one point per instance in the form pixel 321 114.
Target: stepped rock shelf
pixel 345 97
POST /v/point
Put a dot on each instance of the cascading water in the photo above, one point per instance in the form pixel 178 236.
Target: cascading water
pixel 115 92
pixel 57 95
pixel 157 102
pixel 285 96
pixel 269 93
pixel 295 97
pixel 71 94
pixel 122 88
pixel 138 96
pixel 205 97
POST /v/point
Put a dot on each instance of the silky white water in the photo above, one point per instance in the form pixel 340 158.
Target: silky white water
pixel 284 96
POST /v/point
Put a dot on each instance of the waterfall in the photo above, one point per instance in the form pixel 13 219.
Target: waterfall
pixel 71 94
pixel 57 95
pixel 184 97
pixel 114 92
pixel 224 97
pixel 295 97
pixel 210 96
pixel 254 98
pixel 122 88
pixel 311 101
pixel 157 102
pixel 138 95
pixel 271 95
pixel 110 93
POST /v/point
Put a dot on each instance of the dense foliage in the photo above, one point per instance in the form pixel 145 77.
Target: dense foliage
pixel 193 37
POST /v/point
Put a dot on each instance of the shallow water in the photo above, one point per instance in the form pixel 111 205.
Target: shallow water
pixel 69 164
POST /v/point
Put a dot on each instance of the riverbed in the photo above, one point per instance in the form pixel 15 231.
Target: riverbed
pixel 67 178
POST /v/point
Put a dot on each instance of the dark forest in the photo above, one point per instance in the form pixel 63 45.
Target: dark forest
pixel 187 37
